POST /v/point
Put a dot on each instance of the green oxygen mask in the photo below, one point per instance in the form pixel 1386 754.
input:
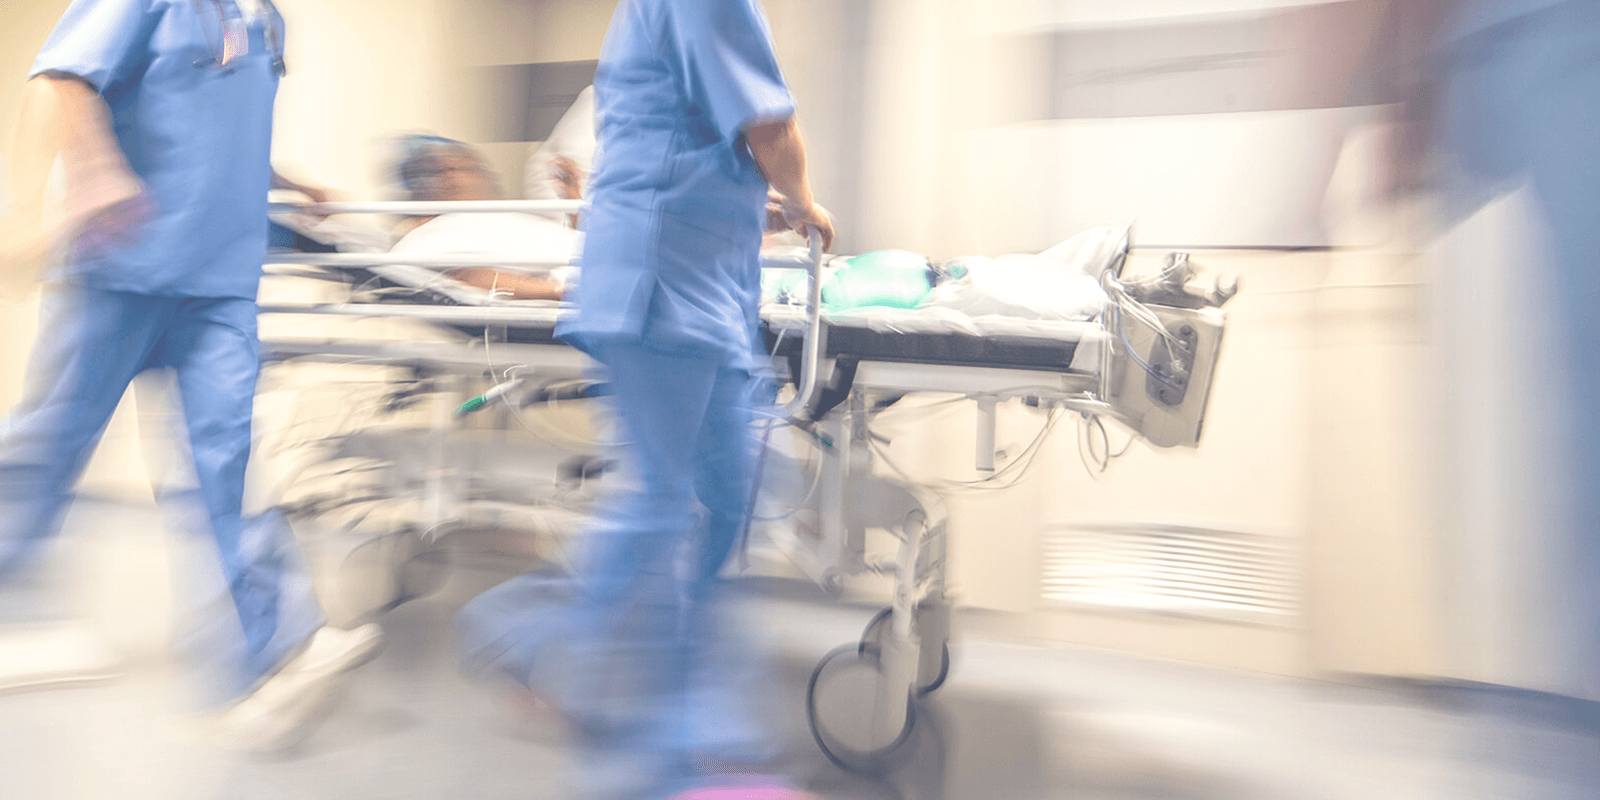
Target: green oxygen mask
pixel 879 279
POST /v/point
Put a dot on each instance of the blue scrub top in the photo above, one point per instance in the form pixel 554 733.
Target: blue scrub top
pixel 677 205
pixel 1473 16
pixel 200 137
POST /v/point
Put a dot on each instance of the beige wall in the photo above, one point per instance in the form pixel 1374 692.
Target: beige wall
pixel 356 76
pixel 493 32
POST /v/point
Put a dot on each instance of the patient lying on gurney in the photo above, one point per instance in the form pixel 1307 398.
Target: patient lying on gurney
pixel 1059 284
pixel 437 169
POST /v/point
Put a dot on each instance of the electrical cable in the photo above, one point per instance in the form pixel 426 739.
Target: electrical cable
pixel 1102 461
pixel 572 443
pixel 1021 465
pixel 813 466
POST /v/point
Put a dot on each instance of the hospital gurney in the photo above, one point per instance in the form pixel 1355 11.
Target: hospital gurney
pixel 1146 362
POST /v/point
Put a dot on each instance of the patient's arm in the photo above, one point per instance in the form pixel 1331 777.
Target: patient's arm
pixel 508 284
pixel 408 225
pixel 315 194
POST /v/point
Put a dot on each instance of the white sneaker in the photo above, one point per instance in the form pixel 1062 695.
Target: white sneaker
pixel 54 655
pixel 283 711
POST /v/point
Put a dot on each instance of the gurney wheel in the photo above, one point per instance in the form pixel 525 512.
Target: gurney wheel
pixel 839 705
pixel 870 641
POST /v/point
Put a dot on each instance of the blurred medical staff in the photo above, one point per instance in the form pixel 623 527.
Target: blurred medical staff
pixel 695 122
pixel 1518 105
pixel 159 114
pixel 1513 102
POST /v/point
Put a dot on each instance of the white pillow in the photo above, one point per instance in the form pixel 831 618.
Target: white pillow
pixel 515 235
pixel 1022 286
pixel 1061 283
pixel 1089 253
pixel 574 138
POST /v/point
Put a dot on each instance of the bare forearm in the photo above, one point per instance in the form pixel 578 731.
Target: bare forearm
pixel 517 287
pixel 316 194
pixel 780 153
pixel 781 156
pixel 280 182
pixel 62 117
pixel 64 121
pixel 39 134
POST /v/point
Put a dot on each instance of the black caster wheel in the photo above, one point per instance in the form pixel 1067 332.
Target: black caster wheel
pixel 839 704
pixel 871 641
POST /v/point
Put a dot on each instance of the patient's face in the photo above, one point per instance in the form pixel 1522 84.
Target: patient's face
pixel 459 176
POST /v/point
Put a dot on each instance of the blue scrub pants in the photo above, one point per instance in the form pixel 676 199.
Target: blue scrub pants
pixel 91 345
pixel 625 649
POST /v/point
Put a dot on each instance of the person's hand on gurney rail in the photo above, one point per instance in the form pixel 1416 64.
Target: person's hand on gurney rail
pixel 805 218
pixel 781 155
pixel 775 220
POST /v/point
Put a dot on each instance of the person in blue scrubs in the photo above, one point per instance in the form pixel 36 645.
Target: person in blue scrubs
pixel 159 113
pixel 1513 87
pixel 695 123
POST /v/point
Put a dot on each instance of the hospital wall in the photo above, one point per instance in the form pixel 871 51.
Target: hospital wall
pixel 925 136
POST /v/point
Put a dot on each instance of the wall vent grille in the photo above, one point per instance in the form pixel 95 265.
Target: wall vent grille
pixel 1227 575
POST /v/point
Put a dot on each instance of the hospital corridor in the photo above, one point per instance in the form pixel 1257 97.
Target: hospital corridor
pixel 799 400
